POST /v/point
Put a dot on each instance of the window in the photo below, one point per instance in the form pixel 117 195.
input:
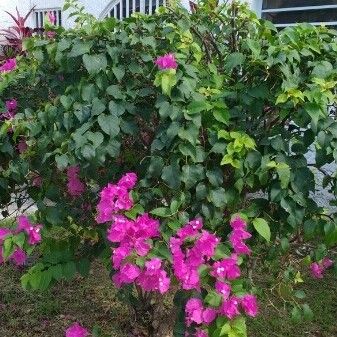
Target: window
pixel 40 14
pixel 289 12
pixel 124 8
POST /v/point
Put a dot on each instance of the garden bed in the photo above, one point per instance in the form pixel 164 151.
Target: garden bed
pixel 94 301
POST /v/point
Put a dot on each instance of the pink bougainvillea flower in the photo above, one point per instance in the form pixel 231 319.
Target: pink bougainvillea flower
pixel 327 263
pixel 75 186
pixel 11 105
pixel 154 278
pixel 209 315
pixel 168 61
pixel 126 275
pixel 249 305
pixel 8 66
pixel 52 17
pixel 76 330
pixel 201 333
pixel 226 268
pixel 19 257
pixel 119 254
pixel 33 231
pixel 238 223
pixel 115 197
pixel 23 224
pixel 50 34
pixel 316 270
pixel 22 146
pixel 37 181
pixel 128 181
pixel 194 310
pixel 223 289
pixel 4 232
pixel 230 307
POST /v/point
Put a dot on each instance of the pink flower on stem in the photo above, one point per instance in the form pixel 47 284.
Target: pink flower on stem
pixel 249 305
pixel 76 330
pixel 115 198
pixel 327 263
pixel 22 146
pixel 4 232
pixel 19 257
pixel 194 310
pixel 50 34
pixel 11 105
pixel 52 17
pixel 8 66
pixel 168 61
pixel 74 185
pixel 201 333
pixel 37 181
pixel 226 268
pixel 230 307
pixel 34 232
pixel 238 223
pixel 316 270
pixel 223 289
pixel 154 278
pixel 126 275
pixel 209 315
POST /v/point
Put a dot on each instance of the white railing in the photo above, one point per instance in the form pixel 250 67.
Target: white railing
pixel 39 16
pixel 122 9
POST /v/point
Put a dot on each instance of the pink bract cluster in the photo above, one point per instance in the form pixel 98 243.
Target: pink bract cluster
pixel 115 198
pixel 186 263
pixel 8 66
pixel 11 108
pixel 200 252
pixel 192 248
pixel 76 330
pixel 168 61
pixel 52 18
pixel 34 237
pixel 318 268
pixel 75 186
pixel 131 237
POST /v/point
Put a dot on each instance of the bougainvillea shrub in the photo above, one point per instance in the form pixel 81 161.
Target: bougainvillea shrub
pixel 214 113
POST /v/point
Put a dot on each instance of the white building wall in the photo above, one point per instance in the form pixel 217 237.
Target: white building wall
pixel 95 7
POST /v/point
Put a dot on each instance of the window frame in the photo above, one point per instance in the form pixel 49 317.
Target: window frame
pixel 299 9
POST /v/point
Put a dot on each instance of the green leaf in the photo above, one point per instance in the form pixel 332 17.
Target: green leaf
pixel 161 212
pixel 213 299
pixel 262 228
pixel 97 106
pixel 192 174
pixel 233 60
pixel 80 48
pixel 296 314
pixel 119 72
pixel 307 312
pixel 171 175
pixel 109 124
pixel 62 161
pixel 115 91
pixel 83 267
pixel 8 247
pixel 95 63
pixel 69 270
pixel 222 116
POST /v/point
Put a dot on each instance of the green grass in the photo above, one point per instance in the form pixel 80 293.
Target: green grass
pixel 93 301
